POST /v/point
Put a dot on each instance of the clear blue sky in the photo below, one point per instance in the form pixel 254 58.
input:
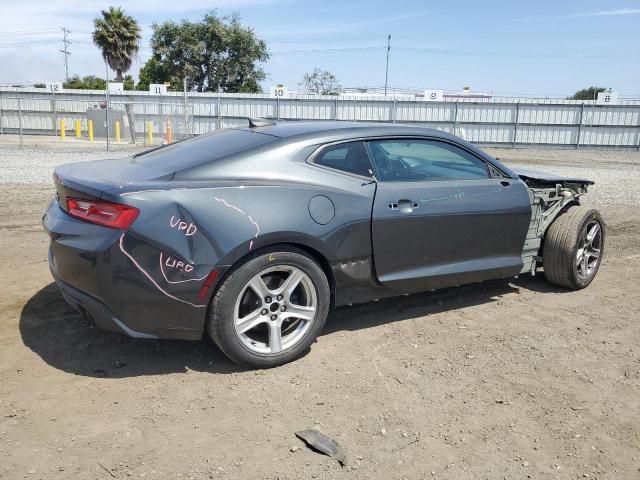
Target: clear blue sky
pixel 544 48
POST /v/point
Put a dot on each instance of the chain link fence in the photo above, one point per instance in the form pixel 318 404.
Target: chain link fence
pixel 94 121
pixel 142 118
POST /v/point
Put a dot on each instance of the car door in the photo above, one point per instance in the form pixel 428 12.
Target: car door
pixel 442 216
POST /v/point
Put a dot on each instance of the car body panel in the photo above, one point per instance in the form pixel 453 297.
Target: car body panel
pixel 541 175
pixel 454 232
pixel 121 272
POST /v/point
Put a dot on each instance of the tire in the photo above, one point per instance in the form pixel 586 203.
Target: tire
pixel 567 243
pixel 290 283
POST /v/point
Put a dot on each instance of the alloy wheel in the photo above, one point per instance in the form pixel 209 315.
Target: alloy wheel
pixel 275 309
pixel 589 249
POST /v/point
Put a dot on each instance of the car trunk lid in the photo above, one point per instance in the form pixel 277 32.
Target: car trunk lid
pixel 91 179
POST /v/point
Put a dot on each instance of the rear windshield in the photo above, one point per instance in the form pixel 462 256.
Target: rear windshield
pixel 201 149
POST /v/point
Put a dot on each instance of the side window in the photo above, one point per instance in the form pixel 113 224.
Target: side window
pixel 349 157
pixel 409 160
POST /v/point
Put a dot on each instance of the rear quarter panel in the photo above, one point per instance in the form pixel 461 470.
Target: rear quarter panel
pixel 215 227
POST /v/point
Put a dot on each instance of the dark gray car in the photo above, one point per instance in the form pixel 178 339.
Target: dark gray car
pixel 254 234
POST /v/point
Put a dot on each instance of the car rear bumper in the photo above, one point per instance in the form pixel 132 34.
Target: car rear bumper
pixel 95 310
pixel 109 275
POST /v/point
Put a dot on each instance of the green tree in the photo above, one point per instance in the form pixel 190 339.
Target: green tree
pixel 321 82
pixel 128 83
pixel 590 93
pixel 90 82
pixel 151 72
pixel 117 35
pixel 214 53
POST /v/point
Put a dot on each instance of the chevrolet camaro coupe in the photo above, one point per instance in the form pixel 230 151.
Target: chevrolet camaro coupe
pixel 254 234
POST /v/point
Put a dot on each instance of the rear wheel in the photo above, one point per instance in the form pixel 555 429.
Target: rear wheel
pixel 270 310
pixel 573 248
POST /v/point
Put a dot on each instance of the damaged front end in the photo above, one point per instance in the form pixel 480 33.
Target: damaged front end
pixel 550 196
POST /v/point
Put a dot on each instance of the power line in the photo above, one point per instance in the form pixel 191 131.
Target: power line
pixel 66 32
pixel 29 43
pixel 27 32
pixel 326 50
pixel 320 39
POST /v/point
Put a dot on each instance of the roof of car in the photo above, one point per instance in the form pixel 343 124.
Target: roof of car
pixel 342 129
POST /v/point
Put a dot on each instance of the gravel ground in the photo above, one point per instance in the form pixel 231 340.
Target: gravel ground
pixel 34 166
pixel 507 379
pixel 616 172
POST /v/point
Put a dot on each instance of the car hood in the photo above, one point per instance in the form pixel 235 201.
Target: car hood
pixel 543 176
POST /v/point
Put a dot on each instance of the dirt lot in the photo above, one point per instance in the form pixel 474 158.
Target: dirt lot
pixel 508 379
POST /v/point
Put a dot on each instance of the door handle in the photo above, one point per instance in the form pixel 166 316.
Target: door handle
pixel 404 206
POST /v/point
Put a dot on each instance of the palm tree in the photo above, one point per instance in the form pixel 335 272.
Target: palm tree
pixel 117 35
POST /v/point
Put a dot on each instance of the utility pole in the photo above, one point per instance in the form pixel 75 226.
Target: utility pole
pixel 186 104
pixel 386 73
pixel 106 94
pixel 66 42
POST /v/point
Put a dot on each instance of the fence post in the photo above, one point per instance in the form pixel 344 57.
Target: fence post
pixel 219 116
pixel 593 114
pixel 515 125
pixel 20 120
pixel 1 127
pixel 108 105
pixel 638 133
pixel 161 113
pixel 193 118
pixel 54 112
pixel 277 109
pixel 393 109
pixel 209 117
pixel 580 127
pixel 455 119
pixel 186 108
pixel 131 117
pixel 144 118
pixel 335 108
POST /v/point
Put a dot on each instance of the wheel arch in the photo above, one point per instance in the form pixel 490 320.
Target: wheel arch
pixel 562 211
pixel 560 264
pixel 314 253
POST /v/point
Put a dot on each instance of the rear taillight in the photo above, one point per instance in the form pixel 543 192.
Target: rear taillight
pixel 112 215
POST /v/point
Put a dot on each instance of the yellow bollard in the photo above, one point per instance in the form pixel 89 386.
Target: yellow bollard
pixel 117 131
pixel 168 132
pixel 78 129
pixel 149 133
pixel 62 129
pixel 90 128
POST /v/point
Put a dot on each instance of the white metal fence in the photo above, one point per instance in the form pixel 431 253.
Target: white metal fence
pixel 496 121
